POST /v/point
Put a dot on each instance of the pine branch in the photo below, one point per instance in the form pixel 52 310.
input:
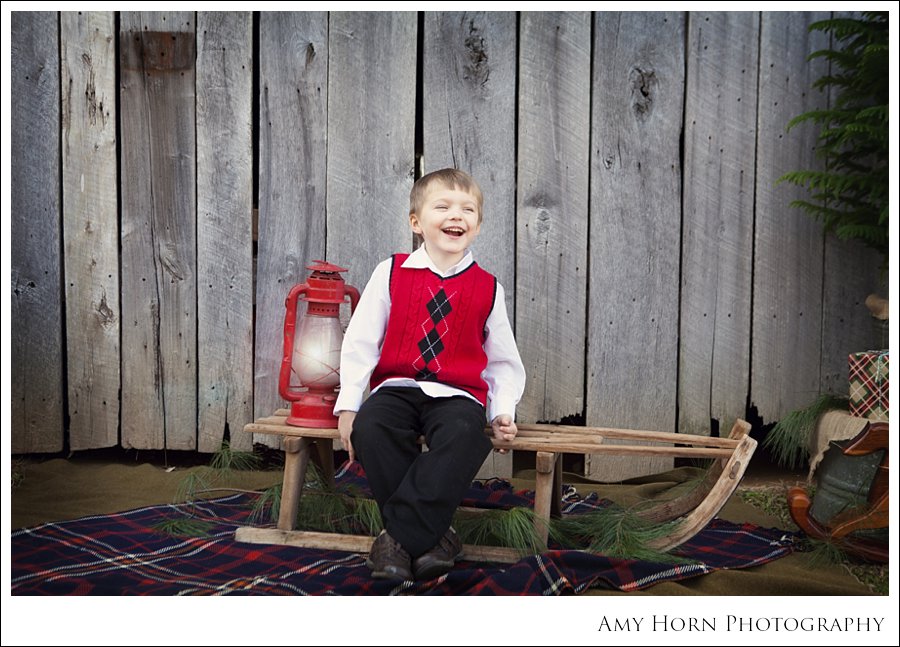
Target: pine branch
pixel 851 195
pixel 789 438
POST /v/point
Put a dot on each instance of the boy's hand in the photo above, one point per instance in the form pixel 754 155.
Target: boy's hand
pixel 345 428
pixel 504 429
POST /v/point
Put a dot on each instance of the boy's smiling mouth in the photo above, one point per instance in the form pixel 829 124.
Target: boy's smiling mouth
pixel 456 232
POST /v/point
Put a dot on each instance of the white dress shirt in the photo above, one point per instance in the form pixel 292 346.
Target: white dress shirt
pixel 361 350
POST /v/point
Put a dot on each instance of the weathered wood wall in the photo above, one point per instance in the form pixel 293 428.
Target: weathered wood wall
pixel 90 226
pixel 552 210
pixel 224 222
pixel 293 102
pixel 38 411
pixel 654 272
pixel 787 273
pixel 720 135
pixel 638 95
pixel 159 230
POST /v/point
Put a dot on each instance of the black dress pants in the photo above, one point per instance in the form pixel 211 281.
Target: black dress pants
pixel 418 492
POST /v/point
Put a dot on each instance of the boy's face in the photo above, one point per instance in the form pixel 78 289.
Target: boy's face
pixel 449 221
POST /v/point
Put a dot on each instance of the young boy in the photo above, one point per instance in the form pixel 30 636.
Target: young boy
pixel 431 338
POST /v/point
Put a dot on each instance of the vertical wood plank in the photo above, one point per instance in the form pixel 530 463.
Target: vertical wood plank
pixel 159 295
pixel 90 226
pixel 717 237
pixel 293 120
pixel 787 277
pixel 224 228
pixel 371 135
pixel 468 122
pixel 552 207
pixel 638 95
pixel 36 343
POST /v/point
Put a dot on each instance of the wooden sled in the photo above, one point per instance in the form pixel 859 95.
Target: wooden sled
pixel 875 515
pixel 693 510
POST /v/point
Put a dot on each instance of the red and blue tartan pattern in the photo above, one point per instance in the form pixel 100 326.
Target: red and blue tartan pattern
pixel 869 385
pixel 121 554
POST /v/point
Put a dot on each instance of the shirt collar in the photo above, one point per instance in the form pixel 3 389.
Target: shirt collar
pixel 420 259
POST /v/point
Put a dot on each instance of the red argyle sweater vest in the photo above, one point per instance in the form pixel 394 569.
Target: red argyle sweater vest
pixel 436 329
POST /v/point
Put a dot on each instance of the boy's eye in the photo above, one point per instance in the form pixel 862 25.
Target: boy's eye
pixel 441 207
pixel 469 210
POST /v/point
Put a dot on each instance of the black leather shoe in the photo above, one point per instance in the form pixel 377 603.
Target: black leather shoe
pixel 388 560
pixel 439 559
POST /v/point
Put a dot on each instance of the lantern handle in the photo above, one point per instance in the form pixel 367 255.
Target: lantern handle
pixel 353 293
pixel 290 324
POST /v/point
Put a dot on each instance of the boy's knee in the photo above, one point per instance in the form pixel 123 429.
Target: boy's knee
pixel 482 440
pixel 470 429
pixel 369 427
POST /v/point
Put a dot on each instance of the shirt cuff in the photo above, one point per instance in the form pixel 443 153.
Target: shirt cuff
pixel 347 401
pixel 502 405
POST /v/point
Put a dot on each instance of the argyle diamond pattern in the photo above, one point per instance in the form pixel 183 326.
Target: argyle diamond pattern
pixel 430 346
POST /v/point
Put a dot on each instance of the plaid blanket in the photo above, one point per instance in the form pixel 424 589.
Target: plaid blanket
pixel 122 554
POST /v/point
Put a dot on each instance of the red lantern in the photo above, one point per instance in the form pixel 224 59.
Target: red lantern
pixel 312 345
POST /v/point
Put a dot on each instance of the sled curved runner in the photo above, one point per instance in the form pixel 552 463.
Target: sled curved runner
pixel 693 510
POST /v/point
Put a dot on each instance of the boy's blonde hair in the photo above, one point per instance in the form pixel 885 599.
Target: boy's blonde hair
pixel 450 178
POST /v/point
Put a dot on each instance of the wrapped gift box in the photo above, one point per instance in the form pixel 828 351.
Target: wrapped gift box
pixel 869 384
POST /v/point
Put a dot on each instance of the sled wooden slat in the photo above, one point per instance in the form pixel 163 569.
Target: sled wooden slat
pixel 358 543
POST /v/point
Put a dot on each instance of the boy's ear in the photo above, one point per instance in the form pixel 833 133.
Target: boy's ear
pixel 414 223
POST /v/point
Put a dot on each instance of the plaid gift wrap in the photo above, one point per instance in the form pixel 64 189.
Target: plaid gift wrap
pixel 869 385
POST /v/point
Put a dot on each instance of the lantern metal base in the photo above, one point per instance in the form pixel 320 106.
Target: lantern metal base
pixel 314 409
